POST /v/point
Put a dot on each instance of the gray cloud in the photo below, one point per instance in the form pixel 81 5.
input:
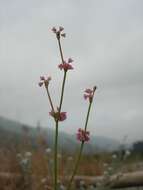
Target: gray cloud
pixel 104 38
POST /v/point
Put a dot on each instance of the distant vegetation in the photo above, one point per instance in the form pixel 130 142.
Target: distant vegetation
pixel 28 149
pixel 12 131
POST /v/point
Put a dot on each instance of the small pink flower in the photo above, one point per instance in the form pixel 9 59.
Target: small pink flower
pixel 83 135
pixel 70 60
pixel 58 32
pixel 42 78
pixel 61 28
pixel 40 84
pixel 62 116
pixel 54 30
pixel 45 81
pixel 66 65
pixel 89 93
pixel 88 96
pixel 58 116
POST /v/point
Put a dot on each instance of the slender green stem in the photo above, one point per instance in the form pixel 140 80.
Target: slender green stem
pixel 55 157
pixel 52 107
pixel 61 52
pixel 62 92
pixel 76 166
pixel 64 78
pixel 56 136
pixel 57 123
pixel 87 116
pixel 50 100
pixel 80 150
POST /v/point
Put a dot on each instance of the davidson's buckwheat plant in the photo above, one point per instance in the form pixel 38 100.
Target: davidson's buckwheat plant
pixel 58 115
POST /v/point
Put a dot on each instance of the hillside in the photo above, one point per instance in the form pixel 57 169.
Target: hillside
pixel 12 131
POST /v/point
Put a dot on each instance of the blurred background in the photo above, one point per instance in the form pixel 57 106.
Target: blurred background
pixel 105 40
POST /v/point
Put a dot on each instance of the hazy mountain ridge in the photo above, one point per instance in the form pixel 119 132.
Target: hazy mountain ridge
pixel 67 142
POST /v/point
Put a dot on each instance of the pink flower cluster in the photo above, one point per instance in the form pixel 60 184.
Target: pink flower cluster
pixel 58 116
pixel 66 65
pixel 44 80
pixel 89 93
pixel 82 135
pixel 58 32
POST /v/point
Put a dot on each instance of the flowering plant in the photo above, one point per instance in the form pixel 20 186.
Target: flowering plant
pixel 59 116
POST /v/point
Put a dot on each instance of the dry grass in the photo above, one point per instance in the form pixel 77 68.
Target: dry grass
pixel 38 176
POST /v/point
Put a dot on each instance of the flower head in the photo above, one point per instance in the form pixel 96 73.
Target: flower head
pixel 44 80
pixel 58 116
pixel 82 135
pixel 54 30
pixel 62 116
pixel 58 32
pixel 66 65
pixel 70 60
pixel 61 28
pixel 89 93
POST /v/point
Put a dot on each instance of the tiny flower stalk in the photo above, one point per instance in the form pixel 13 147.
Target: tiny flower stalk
pixel 45 82
pixel 83 134
pixel 50 100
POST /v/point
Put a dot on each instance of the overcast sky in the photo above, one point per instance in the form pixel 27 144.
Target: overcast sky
pixel 105 39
